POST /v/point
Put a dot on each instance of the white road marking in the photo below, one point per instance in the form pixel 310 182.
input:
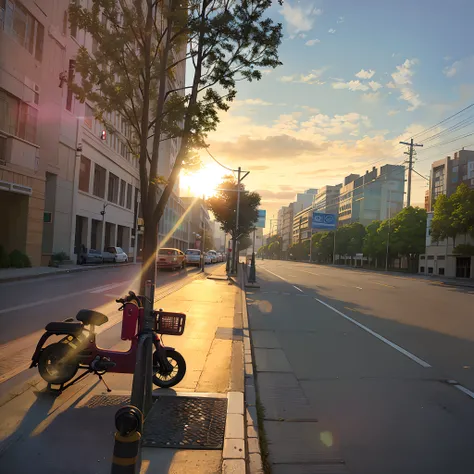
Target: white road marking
pixel 465 390
pixel 278 276
pixel 53 299
pixel 383 284
pixel 312 273
pixel 299 289
pixel 378 336
pixel 358 287
pixel 108 287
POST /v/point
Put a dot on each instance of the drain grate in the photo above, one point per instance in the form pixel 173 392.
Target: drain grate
pixel 186 423
pixel 98 401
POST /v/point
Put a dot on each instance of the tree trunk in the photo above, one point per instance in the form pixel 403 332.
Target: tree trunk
pixel 150 241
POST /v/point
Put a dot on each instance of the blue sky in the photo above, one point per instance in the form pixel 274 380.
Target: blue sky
pixel 356 78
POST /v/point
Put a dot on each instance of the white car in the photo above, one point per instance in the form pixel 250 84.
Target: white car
pixel 207 259
pixel 193 257
pixel 114 254
pixel 213 255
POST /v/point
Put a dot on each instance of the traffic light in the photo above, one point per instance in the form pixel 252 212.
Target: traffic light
pixel 103 135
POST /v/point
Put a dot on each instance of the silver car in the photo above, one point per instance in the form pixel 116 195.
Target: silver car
pixel 89 256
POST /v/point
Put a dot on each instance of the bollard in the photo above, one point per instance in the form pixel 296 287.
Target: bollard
pixel 252 271
pixel 128 421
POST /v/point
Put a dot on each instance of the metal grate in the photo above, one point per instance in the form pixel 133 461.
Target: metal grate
pixel 98 401
pixel 186 423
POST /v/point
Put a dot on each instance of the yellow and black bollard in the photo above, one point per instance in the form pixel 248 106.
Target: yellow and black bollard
pixel 128 421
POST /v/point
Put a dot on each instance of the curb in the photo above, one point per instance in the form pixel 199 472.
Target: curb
pixel 62 272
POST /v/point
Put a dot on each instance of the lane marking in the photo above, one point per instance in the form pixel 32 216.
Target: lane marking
pixel 358 287
pixel 383 284
pixel 312 273
pixel 465 390
pixel 299 289
pixel 378 336
pixel 108 287
pixel 278 276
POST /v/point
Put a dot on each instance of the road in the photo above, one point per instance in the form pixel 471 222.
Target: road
pixel 27 306
pixel 353 369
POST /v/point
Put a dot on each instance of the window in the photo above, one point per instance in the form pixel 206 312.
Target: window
pixel 129 196
pixel 73 23
pixel 65 20
pixel 88 116
pixel 19 23
pixel 27 122
pixel 123 149
pixel 422 257
pixel 9 109
pixel 441 257
pixel 422 269
pixel 123 187
pixel 113 188
pixel 430 257
pixel 99 181
pixel 441 271
pixel 84 174
pixel 72 65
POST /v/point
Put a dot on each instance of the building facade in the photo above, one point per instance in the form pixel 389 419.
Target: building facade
pixel 302 225
pixel 199 220
pixel 327 199
pixel 376 195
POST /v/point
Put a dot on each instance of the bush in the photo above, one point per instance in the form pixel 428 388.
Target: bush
pixel 4 259
pixel 19 259
pixel 59 257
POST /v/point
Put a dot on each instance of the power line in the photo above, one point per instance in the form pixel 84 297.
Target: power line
pixel 218 162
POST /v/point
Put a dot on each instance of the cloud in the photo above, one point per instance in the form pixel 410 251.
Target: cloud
pixel 312 77
pixel 312 42
pixel 393 112
pixel 363 74
pixel 375 86
pixel 351 85
pixel 331 31
pixel 298 18
pixel 463 66
pixel 371 97
pixel 258 168
pixel 251 102
pixel 312 110
pixel 324 125
pixel 340 20
pixel 402 81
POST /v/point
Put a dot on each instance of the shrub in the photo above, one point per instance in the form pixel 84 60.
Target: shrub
pixel 59 257
pixel 19 259
pixel 4 259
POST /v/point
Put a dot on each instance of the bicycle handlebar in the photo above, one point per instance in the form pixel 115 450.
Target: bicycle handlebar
pixel 126 299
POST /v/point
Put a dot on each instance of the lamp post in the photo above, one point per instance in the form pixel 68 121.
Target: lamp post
pixel 388 235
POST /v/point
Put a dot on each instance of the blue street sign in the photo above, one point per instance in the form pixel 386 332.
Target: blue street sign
pixel 261 219
pixel 323 221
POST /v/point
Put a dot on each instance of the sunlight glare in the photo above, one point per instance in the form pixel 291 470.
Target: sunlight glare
pixel 204 181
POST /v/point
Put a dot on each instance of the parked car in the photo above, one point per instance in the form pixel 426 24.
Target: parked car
pixel 207 259
pixel 114 254
pixel 193 257
pixel 89 256
pixel 213 255
pixel 170 258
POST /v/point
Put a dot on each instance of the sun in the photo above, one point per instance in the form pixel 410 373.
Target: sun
pixel 202 182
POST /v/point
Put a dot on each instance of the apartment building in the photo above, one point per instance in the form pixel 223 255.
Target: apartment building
pixel 327 199
pixel 302 225
pixel 448 173
pixel 376 195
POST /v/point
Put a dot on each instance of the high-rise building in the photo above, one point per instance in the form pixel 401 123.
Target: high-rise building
pixel 376 195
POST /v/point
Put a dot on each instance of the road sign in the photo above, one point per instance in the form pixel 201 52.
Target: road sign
pixel 262 214
pixel 323 221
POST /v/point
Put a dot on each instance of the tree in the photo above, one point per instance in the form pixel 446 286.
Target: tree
pixel 323 245
pixel 224 205
pixel 441 225
pixel 245 242
pixel 373 244
pixel 140 47
pixel 462 201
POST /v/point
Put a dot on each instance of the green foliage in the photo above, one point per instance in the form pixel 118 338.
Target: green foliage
pixel 224 204
pixel 374 244
pixel 408 232
pixel 59 257
pixel 245 242
pixel 464 249
pixel 4 258
pixel 19 259
pixel 299 251
pixel 453 216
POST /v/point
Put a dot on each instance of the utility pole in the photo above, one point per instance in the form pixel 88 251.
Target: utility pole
pixel 410 166
pixel 389 222
pixel 240 178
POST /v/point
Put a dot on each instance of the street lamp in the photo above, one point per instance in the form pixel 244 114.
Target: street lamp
pixel 389 218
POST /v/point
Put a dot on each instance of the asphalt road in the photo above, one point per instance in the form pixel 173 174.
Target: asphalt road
pixel 353 370
pixel 27 306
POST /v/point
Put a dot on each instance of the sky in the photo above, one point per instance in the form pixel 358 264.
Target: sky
pixel 357 77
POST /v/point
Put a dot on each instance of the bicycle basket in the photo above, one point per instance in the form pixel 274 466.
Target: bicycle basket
pixel 170 323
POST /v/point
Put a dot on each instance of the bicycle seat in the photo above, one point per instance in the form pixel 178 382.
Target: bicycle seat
pixel 64 327
pixel 89 316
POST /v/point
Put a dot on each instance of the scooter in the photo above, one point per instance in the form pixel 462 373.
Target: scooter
pixel 59 362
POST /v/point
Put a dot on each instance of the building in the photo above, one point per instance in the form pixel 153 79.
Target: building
pixel 439 259
pixel 448 173
pixel 199 220
pixel 302 225
pixel 306 199
pixel 33 40
pixel 327 199
pixel 64 181
pixel 376 195
pixel 219 236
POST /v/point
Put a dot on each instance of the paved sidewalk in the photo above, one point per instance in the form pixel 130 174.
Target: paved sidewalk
pixel 73 433
pixel 16 274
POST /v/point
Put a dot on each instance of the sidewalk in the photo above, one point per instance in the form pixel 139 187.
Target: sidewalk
pixel 16 274
pixel 73 433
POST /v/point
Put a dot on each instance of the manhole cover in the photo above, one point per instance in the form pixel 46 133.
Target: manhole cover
pixel 186 423
pixel 107 401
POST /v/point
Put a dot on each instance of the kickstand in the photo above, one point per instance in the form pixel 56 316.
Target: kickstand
pixel 103 381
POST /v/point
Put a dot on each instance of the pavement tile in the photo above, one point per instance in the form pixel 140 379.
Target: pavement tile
pixel 235 403
pixel 234 427
pixel 234 449
pixel 233 466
